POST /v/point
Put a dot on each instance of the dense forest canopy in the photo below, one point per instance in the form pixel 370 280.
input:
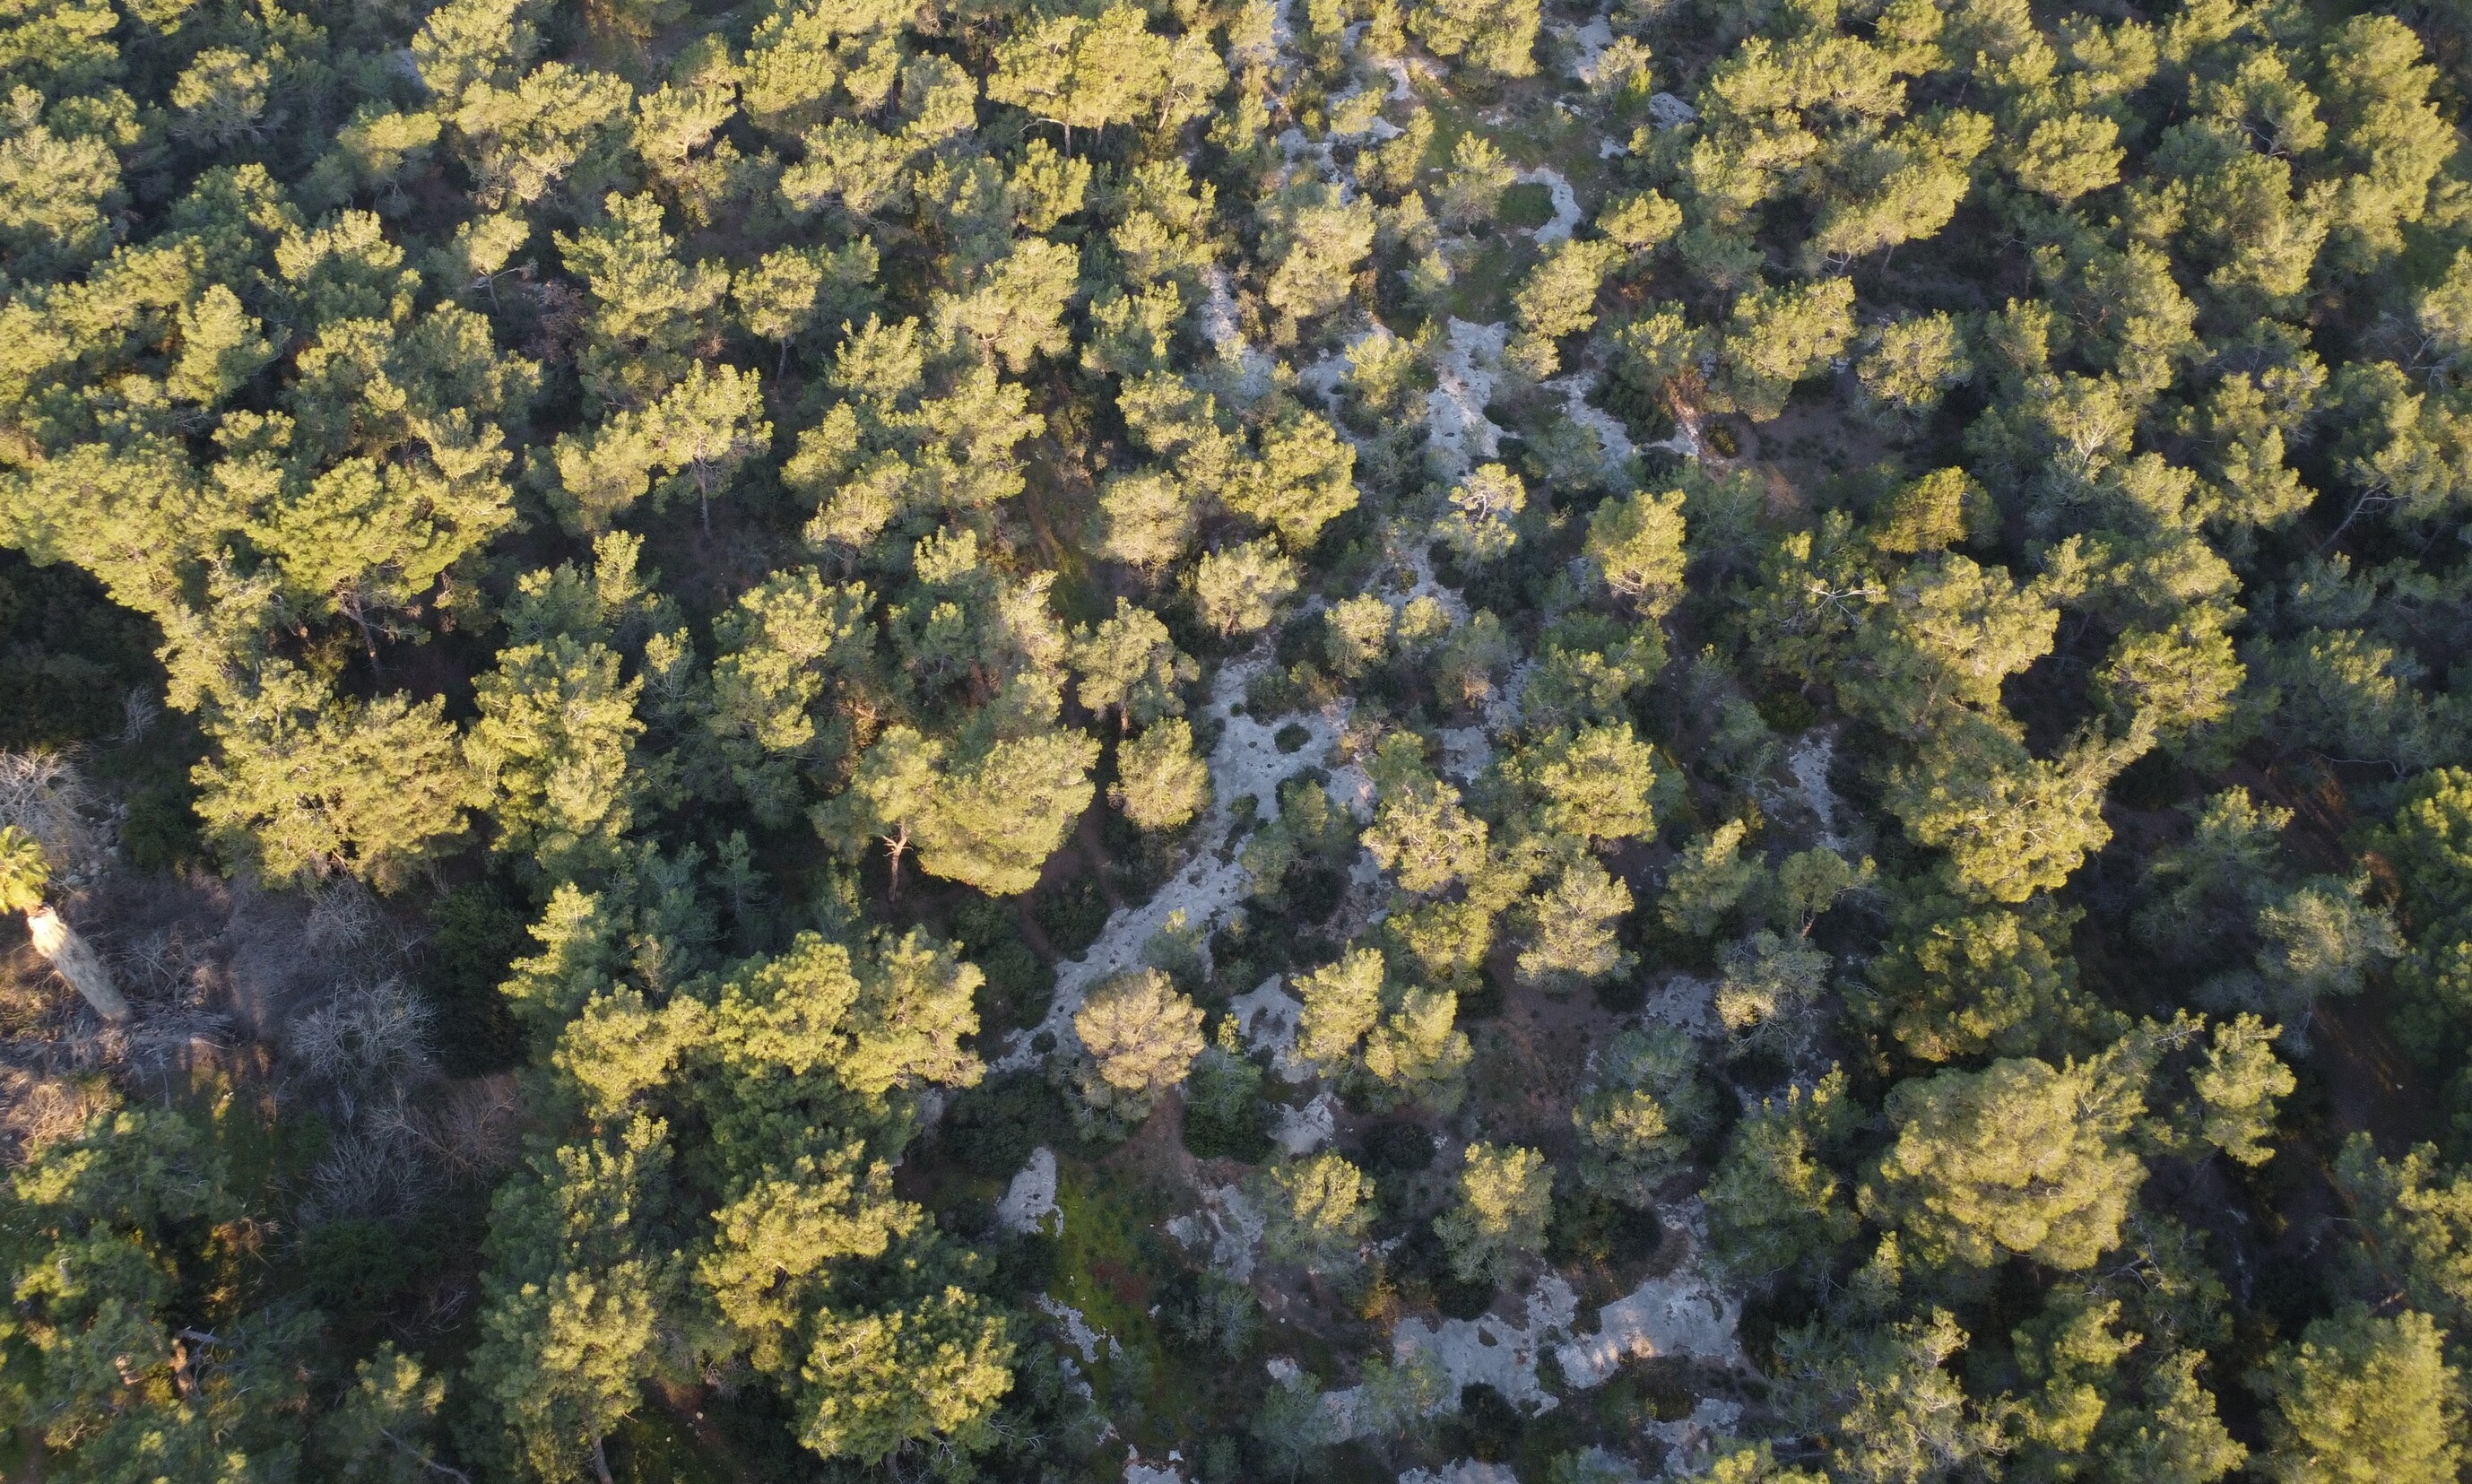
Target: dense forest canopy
pixel 1223 740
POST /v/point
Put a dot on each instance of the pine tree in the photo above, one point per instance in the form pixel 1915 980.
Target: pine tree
pixel 1342 1003
pixel 1321 1212
pixel 1498 1214
pixel 1636 542
pixel 1127 663
pixel 551 754
pixel 1498 35
pixel 1160 784
pixel 2018 1157
pixel 1239 589
pixel 1140 1035
pixel 307 782
pixel 1085 72
pixel 2363 1397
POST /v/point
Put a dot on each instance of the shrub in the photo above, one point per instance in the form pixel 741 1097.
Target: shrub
pixel 990 1129
pixel 476 934
pixel 1072 914
pixel 1225 1115
pixel 1528 204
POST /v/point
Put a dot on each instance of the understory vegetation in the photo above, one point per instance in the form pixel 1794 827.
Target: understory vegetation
pixel 1438 740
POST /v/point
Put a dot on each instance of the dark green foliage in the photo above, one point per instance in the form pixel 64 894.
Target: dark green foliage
pixel 1314 892
pixel 1395 1147
pixel 1024 1263
pixel 1213 1315
pixel 1019 987
pixel 1421 1269
pixel 990 1129
pixel 1527 205
pixel 1490 1425
pixel 1245 952
pixel 476 934
pixel 1071 914
pixel 158 829
pixel 353 1266
pixel 68 657
pixel 1225 1114
pixel 1589 1227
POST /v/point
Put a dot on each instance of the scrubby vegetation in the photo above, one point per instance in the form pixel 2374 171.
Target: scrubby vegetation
pixel 1221 740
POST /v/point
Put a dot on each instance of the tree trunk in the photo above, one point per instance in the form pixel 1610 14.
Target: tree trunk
pixel 896 847
pixel 74 961
pixel 601 1462
pixel 358 614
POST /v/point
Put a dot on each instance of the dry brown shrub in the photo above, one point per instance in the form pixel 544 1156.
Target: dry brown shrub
pixel 42 794
pixel 476 1128
pixel 372 1036
pixel 37 1111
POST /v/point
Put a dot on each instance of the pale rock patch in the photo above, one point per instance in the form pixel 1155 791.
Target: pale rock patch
pixel 1567 215
pixel 1403 74
pixel 1685 442
pixel 1252 369
pixel 1085 1340
pixel 1228 1226
pixel 1807 762
pixel 1302 1131
pixel 1687 1004
pixel 1487 1349
pixel 1608 428
pixel 1246 763
pixel 1283 25
pixel 1297 149
pixel 1219 311
pixel 1711 1418
pixel 1466 752
pixel 1468 1470
pixel 1322 378
pixel 1031 1199
pixel 1588 45
pixel 1506 708
pixel 1351 788
pixel 1684 1313
pixel 1460 432
pixel 1667 111
pixel 1268 1016
pixel 1614 1466
pixel 1409 546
